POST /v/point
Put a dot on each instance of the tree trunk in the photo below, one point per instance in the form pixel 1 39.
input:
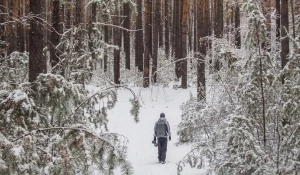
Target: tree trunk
pixel 219 26
pixel 54 59
pixel 147 47
pixel 117 38
pixel 284 32
pixel 26 33
pixel 48 19
pixel 68 14
pixel 167 33
pixel 184 23
pixel 106 40
pixel 11 30
pixel 139 38
pixel 204 30
pixel 178 42
pixel 293 18
pixel 190 29
pixel 21 26
pixel 227 19
pixel 79 23
pixel 91 20
pixel 2 27
pixel 218 18
pixel 267 13
pixel 195 27
pixel 237 23
pixel 160 24
pixel 155 35
pixel 37 63
pixel 62 18
pixel 151 25
pixel 127 34
pixel 174 22
pixel 278 21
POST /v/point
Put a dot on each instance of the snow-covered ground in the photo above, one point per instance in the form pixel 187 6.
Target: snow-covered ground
pixel 141 152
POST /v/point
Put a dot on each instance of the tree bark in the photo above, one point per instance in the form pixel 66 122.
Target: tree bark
pixel 2 27
pixel 278 20
pixel 178 42
pixel 237 23
pixel 219 26
pixel 147 46
pixel 184 23
pixel 219 18
pixel 37 63
pixel 62 18
pixel 139 38
pixel 196 39
pixel 91 20
pixel 151 26
pixel 54 59
pixel 26 33
pixel 155 35
pixel 167 29
pixel 79 23
pixel 174 22
pixel 204 30
pixel 106 40
pixel 126 34
pixel 21 26
pixel 11 36
pixel 284 32
pixel 68 9
pixel 117 38
pixel 293 18
pixel 160 24
pixel 48 19
pixel 266 11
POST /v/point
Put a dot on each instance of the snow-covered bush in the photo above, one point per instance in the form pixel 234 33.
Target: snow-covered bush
pixel 256 130
pixel 51 126
pixel 13 69
pixel 165 69
pixel 165 72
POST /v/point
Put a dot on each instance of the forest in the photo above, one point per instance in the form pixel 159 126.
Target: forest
pixel 242 58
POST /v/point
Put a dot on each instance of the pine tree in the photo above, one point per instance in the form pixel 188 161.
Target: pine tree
pixel 117 38
pixel 284 32
pixel 218 26
pixel 167 29
pixel 126 34
pixel 278 19
pixel 155 35
pixel 106 40
pixel 37 63
pixel 237 23
pixel 139 37
pixel 55 31
pixel 147 42
pixel 203 32
pixel 178 38
pixel 184 23
pixel 2 28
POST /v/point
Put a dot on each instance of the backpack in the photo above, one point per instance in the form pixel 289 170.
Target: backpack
pixel 161 129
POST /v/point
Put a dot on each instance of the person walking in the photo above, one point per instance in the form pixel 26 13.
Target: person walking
pixel 162 132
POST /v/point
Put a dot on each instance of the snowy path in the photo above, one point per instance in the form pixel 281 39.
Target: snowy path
pixel 141 153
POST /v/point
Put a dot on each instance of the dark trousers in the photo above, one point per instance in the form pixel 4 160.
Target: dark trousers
pixel 162 148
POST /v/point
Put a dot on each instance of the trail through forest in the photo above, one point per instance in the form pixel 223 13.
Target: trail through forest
pixel 141 152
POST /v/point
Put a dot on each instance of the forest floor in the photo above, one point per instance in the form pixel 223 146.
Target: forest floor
pixel 141 152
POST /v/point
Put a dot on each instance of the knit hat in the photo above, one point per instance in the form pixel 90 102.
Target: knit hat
pixel 162 115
